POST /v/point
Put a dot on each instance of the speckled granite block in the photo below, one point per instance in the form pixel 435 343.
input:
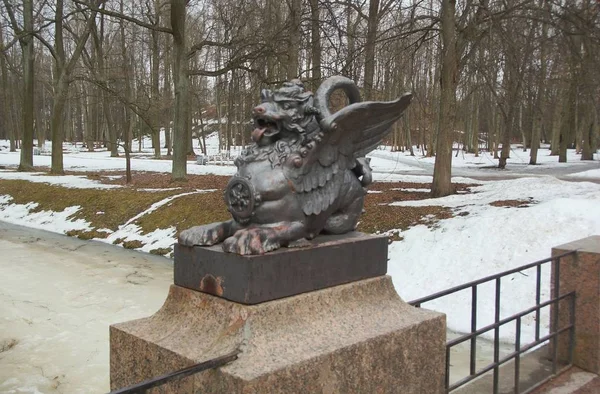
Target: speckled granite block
pixel 581 272
pixel 354 338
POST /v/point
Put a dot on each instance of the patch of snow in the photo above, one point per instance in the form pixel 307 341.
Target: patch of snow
pixel 586 174
pixel 59 222
pixel 411 189
pixel 70 181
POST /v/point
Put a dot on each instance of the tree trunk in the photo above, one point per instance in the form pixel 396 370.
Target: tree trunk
pixel 62 72
pixel 56 126
pixel 154 88
pixel 372 23
pixel 567 121
pixel 180 77
pixel 26 162
pixel 442 172
pixel 167 94
pixel 555 124
pixel 589 126
pixel 294 39
pixel 5 97
pixel 315 44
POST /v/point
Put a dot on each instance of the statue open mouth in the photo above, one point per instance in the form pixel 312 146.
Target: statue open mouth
pixel 264 127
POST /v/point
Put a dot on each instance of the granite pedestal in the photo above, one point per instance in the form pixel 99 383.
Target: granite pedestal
pixel 357 337
pixel 580 272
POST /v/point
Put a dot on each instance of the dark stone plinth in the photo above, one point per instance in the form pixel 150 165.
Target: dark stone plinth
pixel 328 261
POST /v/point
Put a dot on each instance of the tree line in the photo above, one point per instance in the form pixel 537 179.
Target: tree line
pixel 484 73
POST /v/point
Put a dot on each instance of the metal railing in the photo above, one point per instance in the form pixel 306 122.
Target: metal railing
pixel 182 373
pixel 556 298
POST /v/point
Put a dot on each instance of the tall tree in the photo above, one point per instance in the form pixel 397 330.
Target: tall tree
pixel 181 80
pixel 372 24
pixel 442 184
pixel 25 36
pixel 63 68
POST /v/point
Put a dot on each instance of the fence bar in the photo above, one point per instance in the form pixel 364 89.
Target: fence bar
pixel 572 332
pixel 473 329
pixel 556 292
pixel 538 290
pixel 498 322
pixel 506 359
pixel 182 373
pixel 447 368
pixel 466 337
pixel 486 279
pixel 496 335
pixel 518 356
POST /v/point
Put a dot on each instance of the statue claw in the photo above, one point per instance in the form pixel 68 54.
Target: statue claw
pixel 257 240
pixel 202 235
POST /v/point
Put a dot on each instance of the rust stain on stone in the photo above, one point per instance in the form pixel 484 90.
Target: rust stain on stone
pixel 211 285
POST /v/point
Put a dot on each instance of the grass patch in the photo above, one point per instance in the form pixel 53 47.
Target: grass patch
pixel 103 208
pixel 513 203
pixel 160 251
pixel 381 217
pixel 85 234
pixel 185 212
pixel 135 244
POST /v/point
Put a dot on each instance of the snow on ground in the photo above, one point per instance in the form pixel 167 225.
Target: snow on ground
pixel 70 181
pixel 101 161
pixel 485 159
pixel 586 174
pixel 489 240
pixel 58 222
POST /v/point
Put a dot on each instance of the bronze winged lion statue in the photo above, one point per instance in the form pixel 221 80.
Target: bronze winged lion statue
pixel 305 172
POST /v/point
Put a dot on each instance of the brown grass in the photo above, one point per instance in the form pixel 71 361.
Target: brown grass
pixel 109 208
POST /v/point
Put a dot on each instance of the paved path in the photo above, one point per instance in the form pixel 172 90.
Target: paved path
pixel 58 295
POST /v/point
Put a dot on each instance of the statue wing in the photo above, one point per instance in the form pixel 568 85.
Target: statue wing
pixel 348 134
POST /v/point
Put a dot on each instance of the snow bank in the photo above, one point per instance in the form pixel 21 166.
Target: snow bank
pixel 490 240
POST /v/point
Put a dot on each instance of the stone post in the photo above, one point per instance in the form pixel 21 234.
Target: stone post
pixel 324 319
pixel 580 272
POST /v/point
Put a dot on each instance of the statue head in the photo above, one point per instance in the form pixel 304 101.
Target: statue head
pixel 282 113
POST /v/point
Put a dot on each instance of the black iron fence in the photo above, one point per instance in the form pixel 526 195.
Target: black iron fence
pixel 182 373
pixel 519 348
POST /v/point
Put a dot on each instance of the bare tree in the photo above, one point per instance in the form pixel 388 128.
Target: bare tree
pixel 25 37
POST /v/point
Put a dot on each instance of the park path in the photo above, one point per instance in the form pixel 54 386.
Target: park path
pixel 58 295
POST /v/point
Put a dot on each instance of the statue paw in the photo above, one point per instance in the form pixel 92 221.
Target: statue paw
pixel 258 240
pixel 206 235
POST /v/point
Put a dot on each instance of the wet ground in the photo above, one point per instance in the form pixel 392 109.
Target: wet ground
pixel 58 295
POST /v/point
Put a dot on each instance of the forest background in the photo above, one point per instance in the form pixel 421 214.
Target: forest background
pixel 484 73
